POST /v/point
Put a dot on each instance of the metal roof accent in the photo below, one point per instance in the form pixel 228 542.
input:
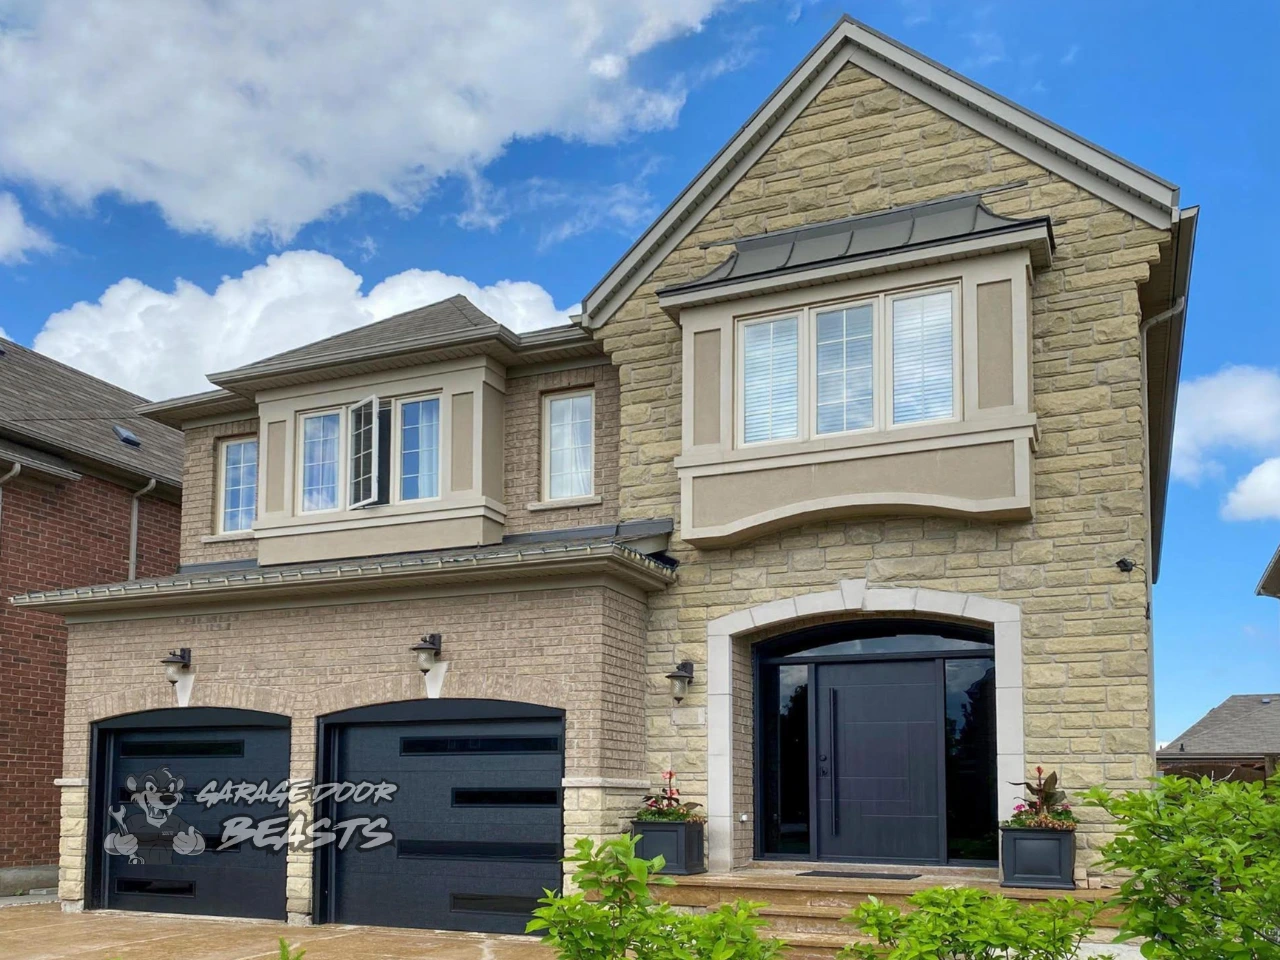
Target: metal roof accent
pixel 913 227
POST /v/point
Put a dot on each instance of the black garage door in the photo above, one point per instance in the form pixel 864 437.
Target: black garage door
pixel 476 818
pixel 157 846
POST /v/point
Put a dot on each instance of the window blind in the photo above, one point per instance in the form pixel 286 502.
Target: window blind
pixel 923 372
pixel 770 380
pixel 845 369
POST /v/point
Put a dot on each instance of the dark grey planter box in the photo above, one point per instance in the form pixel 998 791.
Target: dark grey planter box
pixel 1037 857
pixel 678 841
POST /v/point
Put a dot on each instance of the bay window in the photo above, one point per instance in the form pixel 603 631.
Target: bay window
pixel 770 380
pixel 923 358
pixel 320 461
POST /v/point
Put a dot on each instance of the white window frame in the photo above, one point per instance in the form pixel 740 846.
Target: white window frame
pixel 349 453
pixel 547 399
pixel 221 487
pixel 397 446
pixel 957 368
pixel 300 460
pixel 882 368
pixel 802 377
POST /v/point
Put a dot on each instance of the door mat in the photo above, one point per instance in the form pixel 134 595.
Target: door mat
pixel 857 875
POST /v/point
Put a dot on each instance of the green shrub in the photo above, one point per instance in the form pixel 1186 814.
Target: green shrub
pixel 287 954
pixel 1203 865
pixel 961 923
pixel 614 915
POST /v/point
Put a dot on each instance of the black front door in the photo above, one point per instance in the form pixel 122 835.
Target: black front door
pixel 879 761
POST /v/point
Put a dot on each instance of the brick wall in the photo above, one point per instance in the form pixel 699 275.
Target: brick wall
pixel 200 491
pixel 863 146
pixel 55 536
pixel 523 450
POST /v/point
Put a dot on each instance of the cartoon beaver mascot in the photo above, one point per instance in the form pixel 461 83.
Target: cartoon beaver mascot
pixel 157 833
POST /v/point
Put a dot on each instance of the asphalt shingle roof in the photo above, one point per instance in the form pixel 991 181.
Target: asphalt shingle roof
pixel 853 238
pixel 1246 725
pixel 59 410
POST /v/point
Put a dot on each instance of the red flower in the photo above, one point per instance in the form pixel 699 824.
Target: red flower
pixel 669 775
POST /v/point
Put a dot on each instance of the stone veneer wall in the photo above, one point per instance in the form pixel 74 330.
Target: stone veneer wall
pixel 200 491
pixel 861 146
pixel 576 647
pixel 523 448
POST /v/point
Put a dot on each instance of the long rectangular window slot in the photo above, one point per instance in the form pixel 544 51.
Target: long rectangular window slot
pixel 156 888
pixel 183 748
pixel 486 903
pixel 411 746
pixel 477 850
pixel 505 797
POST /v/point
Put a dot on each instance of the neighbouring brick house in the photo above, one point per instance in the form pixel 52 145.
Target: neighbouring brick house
pixel 859 429
pixel 67 490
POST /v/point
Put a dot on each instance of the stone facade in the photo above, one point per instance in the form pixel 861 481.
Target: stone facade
pixel 861 146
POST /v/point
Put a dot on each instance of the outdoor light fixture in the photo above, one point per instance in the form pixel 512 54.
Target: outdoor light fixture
pixel 428 651
pixel 176 664
pixel 680 679
pixel 1125 565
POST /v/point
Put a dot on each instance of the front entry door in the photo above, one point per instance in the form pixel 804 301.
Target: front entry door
pixel 880 746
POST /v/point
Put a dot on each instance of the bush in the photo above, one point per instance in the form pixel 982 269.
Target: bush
pixel 960 923
pixel 1203 865
pixel 614 914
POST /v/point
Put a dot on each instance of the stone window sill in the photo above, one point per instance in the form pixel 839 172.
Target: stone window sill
pixel 564 504
pixel 228 537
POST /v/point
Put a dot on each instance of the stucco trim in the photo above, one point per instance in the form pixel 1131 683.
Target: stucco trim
pixel 854 596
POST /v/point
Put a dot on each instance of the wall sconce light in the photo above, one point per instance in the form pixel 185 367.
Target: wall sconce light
pixel 1125 565
pixel 680 679
pixel 428 651
pixel 177 664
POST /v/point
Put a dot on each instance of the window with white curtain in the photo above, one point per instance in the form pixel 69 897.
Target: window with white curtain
pixel 770 364
pixel 845 369
pixel 568 447
pixel 239 481
pixel 420 449
pixel 923 358
pixel 320 446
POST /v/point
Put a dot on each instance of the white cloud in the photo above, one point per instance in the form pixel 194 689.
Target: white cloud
pixel 162 344
pixel 1236 409
pixel 17 237
pixel 241 118
pixel 1257 495
pixel 1069 57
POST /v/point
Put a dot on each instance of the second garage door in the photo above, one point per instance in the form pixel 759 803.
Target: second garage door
pixel 476 817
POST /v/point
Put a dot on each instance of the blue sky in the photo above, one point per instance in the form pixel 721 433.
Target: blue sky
pixel 237 178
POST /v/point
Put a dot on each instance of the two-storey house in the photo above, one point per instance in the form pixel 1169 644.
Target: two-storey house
pixel 865 441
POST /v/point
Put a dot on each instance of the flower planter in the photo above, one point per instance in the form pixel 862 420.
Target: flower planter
pixel 679 842
pixel 1038 857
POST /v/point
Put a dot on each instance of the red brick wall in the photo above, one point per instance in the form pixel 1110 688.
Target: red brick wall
pixel 73 534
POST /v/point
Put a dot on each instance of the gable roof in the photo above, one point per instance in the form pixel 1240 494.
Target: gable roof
pixel 1245 725
pixel 1269 585
pixel 53 415
pixel 1070 156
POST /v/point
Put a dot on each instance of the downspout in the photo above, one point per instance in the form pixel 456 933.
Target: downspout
pixel 133 528
pixel 11 475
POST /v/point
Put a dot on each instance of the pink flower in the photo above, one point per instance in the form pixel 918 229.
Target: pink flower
pixel 1020 808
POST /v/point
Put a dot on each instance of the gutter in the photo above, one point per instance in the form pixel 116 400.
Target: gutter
pixel 11 475
pixel 133 527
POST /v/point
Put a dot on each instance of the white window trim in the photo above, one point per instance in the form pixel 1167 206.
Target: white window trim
pixel 957 366
pixel 882 346
pixel 300 472
pixel 546 446
pixel 397 446
pixel 739 378
pixel 373 479
pixel 221 489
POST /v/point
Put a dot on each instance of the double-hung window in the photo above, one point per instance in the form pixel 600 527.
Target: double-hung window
pixel 568 445
pixel 239 485
pixel 420 449
pixel 320 461
pixel 883 361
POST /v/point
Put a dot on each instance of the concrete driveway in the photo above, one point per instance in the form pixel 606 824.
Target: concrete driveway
pixel 43 932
